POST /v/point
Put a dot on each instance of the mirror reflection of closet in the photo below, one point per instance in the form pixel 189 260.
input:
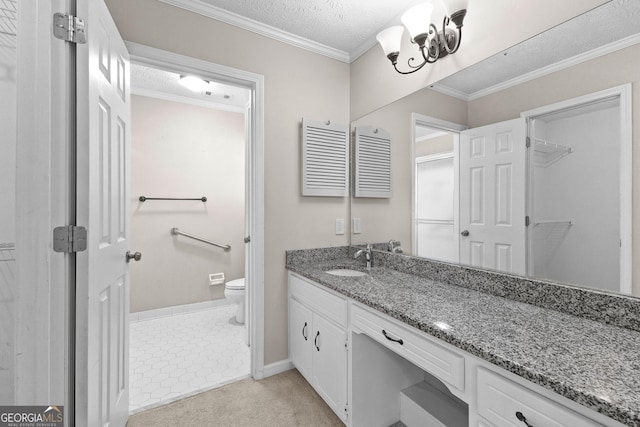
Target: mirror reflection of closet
pixel 577 194
pixel 574 166
pixel 435 231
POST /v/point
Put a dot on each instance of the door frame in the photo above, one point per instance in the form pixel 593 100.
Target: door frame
pixel 432 122
pixel 624 93
pixel 161 59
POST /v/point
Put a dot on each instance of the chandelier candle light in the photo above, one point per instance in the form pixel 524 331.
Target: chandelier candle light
pixel 433 44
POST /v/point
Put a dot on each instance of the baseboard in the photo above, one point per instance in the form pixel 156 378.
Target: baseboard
pixel 277 368
pixel 177 309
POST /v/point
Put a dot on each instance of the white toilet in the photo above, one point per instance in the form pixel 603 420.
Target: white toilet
pixel 234 292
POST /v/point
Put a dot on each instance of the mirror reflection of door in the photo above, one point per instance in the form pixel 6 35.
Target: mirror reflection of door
pixel 492 196
pixel 436 213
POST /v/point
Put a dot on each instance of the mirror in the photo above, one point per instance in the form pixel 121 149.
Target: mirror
pixel 526 78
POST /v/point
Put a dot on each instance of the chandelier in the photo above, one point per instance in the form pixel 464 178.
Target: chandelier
pixel 433 43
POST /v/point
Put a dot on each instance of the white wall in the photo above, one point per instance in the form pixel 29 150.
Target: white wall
pixel 583 187
pixel 298 84
pixel 180 150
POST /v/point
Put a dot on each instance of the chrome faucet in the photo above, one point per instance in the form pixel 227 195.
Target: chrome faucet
pixel 368 255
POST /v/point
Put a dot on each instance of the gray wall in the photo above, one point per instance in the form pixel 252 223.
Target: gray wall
pixel 181 150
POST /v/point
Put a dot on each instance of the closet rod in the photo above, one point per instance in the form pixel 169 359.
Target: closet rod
pixel 144 198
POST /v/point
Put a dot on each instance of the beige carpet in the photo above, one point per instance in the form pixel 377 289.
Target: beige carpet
pixel 282 400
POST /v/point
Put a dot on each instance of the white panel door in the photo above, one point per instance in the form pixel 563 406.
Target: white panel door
pixel 330 364
pixel 492 196
pixel 103 122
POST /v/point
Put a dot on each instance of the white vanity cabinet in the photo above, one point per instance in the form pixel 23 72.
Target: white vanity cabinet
pixel 318 340
pixel 376 368
pixel 504 403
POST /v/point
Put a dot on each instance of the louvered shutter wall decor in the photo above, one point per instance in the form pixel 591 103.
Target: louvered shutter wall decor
pixel 372 174
pixel 325 159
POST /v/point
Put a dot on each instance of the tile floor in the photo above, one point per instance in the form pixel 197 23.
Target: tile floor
pixel 176 356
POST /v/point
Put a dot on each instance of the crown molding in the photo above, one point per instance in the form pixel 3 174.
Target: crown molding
pixel 569 62
pixel 202 8
pixel 450 91
pixel 187 100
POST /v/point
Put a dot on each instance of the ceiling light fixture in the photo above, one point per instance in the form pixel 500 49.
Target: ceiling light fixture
pixel 194 83
pixel 433 44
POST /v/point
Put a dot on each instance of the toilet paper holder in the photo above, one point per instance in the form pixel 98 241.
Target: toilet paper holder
pixel 216 279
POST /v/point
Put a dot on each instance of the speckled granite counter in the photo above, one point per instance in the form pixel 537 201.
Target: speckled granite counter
pixel 590 362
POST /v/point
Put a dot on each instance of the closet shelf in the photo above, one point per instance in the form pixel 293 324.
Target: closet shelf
pixel 546 153
pixel 566 222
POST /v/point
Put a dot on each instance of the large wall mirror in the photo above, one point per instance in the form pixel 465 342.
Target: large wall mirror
pixel 523 163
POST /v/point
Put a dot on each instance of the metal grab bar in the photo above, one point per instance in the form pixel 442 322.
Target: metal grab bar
pixel 144 198
pixel 176 232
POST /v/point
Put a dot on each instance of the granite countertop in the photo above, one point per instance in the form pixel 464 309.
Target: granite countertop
pixel 589 362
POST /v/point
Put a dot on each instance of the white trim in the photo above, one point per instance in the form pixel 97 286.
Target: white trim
pixel 431 136
pixel 255 82
pixel 455 128
pixel 278 368
pixel 624 92
pixel 455 93
pixel 187 100
pixel 248 24
pixel 566 63
pixel 433 157
pixel 177 310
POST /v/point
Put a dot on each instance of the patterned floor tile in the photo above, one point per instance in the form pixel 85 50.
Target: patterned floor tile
pixel 176 356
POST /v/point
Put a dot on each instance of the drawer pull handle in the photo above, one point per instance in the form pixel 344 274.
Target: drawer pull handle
pixel 398 340
pixel 304 331
pixel 315 342
pixel 522 418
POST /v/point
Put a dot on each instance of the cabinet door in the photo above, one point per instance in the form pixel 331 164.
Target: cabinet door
pixel 300 337
pixel 330 364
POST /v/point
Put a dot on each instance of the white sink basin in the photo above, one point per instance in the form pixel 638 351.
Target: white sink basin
pixel 346 272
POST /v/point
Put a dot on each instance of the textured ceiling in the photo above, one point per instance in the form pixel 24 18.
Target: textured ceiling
pixel 156 81
pixel 340 24
pixel 603 25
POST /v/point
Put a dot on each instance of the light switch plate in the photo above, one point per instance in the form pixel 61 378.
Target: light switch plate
pixel 357 226
pixel 339 226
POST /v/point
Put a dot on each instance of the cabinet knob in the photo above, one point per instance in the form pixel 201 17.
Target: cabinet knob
pixel 464 233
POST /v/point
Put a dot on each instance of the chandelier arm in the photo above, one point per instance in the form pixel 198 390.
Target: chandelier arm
pixel 445 22
pixel 426 49
pixel 415 68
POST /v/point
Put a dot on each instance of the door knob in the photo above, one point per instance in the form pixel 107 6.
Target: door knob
pixel 464 233
pixel 136 256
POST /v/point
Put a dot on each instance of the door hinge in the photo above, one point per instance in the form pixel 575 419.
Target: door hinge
pixel 346 410
pixel 69 239
pixel 346 344
pixel 247 239
pixel 528 142
pixel 69 28
pixel 527 221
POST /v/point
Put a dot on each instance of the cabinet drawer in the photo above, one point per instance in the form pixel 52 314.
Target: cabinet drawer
pixel 332 307
pixel 437 360
pixel 499 399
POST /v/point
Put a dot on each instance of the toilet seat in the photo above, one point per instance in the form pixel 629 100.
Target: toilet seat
pixel 237 284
